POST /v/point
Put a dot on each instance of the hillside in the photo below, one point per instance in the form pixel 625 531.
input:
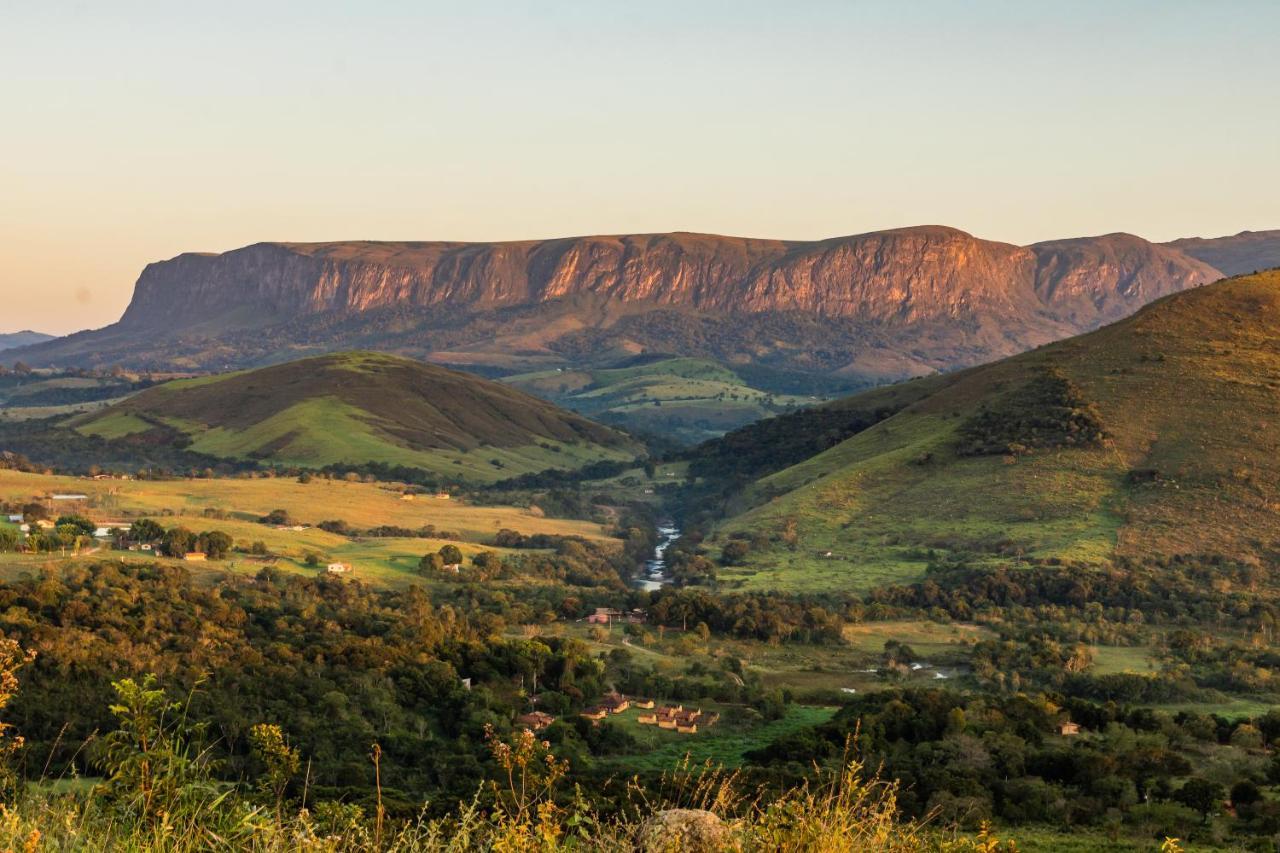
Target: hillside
pixel 684 399
pixel 1152 437
pixel 12 340
pixel 866 307
pixel 352 408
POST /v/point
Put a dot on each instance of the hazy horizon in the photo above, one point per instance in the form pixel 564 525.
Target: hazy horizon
pixel 138 133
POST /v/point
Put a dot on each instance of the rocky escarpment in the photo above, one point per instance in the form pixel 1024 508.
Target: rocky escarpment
pixel 901 276
pixel 868 308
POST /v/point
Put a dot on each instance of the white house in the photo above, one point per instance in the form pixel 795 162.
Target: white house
pixel 15 519
pixel 338 568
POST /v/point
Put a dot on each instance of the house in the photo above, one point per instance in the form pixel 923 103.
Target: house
pixel 45 524
pixel 595 714
pixel 338 568
pixel 442 496
pixel 1069 729
pixel 646 704
pixel 615 703
pixel 536 721
pixel 690 729
pixel 16 519
pixel 70 497
pixel 647 719
pixel 195 556
pixel 608 615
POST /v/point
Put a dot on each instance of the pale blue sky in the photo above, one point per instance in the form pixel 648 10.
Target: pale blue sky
pixel 135 131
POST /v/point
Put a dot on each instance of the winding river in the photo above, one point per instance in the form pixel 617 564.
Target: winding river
pixel 654 574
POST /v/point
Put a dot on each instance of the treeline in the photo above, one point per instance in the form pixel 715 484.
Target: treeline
pixel 966 757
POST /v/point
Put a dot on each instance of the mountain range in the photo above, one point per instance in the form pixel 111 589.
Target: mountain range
pixel 853 311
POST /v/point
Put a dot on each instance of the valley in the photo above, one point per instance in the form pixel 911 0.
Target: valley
pixel 1019 584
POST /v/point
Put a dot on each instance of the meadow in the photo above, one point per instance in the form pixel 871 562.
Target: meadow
pixel 235 505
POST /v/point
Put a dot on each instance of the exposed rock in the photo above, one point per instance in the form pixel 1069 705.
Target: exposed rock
pixel 869 307
pixel 905 275
pixel 684 831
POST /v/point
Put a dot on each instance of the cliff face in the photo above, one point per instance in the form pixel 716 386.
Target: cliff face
pixel 907 275
pixel 1094 280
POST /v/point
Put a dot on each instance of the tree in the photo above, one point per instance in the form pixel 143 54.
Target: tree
pixel 451 554
pixel 1201 795
pixel 178 541
pixel 82 525
pixel 277 517
pixel 280 760
pixel 146 530
pixel 9 540
pixel 215 544
pixel 152 761
pixel 430 564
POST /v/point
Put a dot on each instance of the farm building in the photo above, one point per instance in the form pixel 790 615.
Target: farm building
pixel 608 615
pixel 1069 729
pixel 195 556
pixel 536 721
pixel 615 703
pixel 338 568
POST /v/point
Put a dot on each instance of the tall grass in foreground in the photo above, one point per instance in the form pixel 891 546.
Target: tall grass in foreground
pixel 160 794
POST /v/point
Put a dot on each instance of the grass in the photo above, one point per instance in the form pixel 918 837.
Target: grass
pixel 1110 660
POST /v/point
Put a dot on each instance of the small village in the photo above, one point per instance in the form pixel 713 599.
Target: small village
pixel 677 718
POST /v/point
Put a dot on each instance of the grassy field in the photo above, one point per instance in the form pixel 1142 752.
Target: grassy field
pixel 362 505
pixel 1109 660
pixel 240 502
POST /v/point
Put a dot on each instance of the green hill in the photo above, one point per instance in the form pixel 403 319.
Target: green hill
pixel 1153 437
pixel 352 408
pixel 684 399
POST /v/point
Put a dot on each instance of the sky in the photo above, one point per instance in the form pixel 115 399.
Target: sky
pixel 131 132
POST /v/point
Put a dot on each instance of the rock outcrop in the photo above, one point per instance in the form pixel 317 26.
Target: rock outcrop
pixel 864 308
pixel 901 276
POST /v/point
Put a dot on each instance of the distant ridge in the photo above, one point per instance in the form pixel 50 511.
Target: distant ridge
pixel 12 340
pixel 1246 252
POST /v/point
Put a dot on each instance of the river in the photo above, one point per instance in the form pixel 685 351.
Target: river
pixel 654 574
